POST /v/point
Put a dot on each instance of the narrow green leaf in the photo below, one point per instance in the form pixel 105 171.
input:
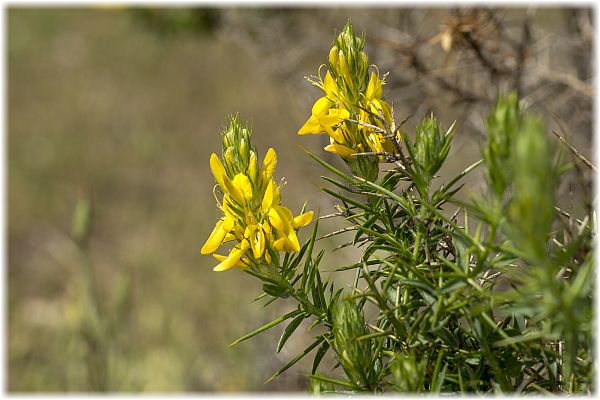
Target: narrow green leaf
pixel 332 168
pixel 339 184
pixel 334 381
pixel 519 339
pixel 348 200
pixel 319 356
pixel 296 359
pixel 265 327
pixel 461 175
pixel 436 369
pixel 289 330
pixel 440 380
pixel 399 200
pixel 307 263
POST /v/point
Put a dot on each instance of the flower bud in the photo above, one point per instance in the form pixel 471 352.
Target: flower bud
pixel 230 162
pixel 228 138
pixel 502 127
pixel 245 156
pixel 363 66
pixel 333 58
pixel 345 72
pixel 253 167
pixel 356 356
pixel 349 60
pixel 364 61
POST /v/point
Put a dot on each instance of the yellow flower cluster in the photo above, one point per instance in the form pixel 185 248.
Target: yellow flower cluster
pixel 253 215
pixel 350 93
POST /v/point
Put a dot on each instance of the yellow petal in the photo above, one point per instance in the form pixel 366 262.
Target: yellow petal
pixel 215 239
pixel 228 238
pixel 244 245
pixel 233 191
pixel 321 107
pixel 243 185
pixel 330 87
pixel 380 106
pixel 337 135
pixel 284 244
pixel 277 222
pixel 311 126
pixel 302 219
pixel 339 150
pixel 374 89
pixel 387 111
pixel 269 163
pixel 240 264
pixel 329 131
pixel 232 260
pixel 280 221
pixel 228 223
pixel 257 241
pixel 293 239
pixel 330 120
pixel 286 213
pixel 375 106
pixel 374 141
pixel 217 169
pixel 267 201
pixel 279 244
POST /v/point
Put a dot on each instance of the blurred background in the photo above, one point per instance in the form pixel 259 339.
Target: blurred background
pixel 116 111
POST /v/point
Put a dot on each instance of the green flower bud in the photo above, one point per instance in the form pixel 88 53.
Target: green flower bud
pixel 227 140
pixel 502 127
pixel 354 356
pixel 230 162
pixel 531 209
pixel 429 151
pixel 363 66
pixel 345 72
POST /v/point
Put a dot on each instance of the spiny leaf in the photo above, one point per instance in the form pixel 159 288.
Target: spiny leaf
pixel 295 359
pixel 289 330
pixel 334 381
pixel 319 356
pixel 333 169
pixel 265 327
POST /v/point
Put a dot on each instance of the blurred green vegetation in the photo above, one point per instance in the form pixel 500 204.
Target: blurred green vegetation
pixel 102 108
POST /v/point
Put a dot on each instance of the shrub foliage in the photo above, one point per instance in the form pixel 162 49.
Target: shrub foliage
pixel 488 294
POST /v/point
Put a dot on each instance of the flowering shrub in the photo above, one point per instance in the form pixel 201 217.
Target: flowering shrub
pixel 499 302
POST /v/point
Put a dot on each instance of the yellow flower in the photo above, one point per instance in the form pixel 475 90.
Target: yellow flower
pixel 323 118
pixel 233 259
pixel 351 91
pixel 373 98
pixel 222 228
pixel 339 149
pixel 253 214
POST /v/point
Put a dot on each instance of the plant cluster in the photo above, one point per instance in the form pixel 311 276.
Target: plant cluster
pixel 498 302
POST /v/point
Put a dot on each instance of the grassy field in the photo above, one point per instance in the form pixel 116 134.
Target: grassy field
pixel 101 107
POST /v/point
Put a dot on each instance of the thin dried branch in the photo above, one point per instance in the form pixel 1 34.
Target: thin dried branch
pixel 575 152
